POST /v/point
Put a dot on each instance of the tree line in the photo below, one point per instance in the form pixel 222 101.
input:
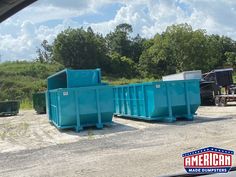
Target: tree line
pixel 120 54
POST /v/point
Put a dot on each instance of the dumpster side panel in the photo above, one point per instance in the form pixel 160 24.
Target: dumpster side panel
pixel 78 78
pixel 161 100
pixel 87 106
pixel 66 108
pixel 57 81
pixel 194 95
pixel 178 98
pixel 158 100
pixel 53 112
pixel 134 100
pixel 106 103
pixel 149 105
pixel 81 107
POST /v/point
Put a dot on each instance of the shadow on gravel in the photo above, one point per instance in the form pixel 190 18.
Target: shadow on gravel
pixel 199 119
pixel 111 128
pixel 182 121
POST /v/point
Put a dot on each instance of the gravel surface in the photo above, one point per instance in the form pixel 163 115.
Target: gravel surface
pixel 31 146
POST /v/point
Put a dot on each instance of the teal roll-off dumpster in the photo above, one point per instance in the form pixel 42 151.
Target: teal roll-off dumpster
pixel 164 100
pixel 39 102
pixel 78 98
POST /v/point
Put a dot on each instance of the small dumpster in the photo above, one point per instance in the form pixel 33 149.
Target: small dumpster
pixel 39 102
pixel 79 102
pixel 9 108
pixel 164 100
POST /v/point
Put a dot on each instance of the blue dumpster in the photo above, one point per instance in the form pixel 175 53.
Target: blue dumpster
pixel 164 100
pixel 79 102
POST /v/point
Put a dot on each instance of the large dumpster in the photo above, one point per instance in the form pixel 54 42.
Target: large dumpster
pixel 81 102
pixel 9 108
pixel 164 100
pixel 39 102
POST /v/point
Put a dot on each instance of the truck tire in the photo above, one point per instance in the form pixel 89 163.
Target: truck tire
pixel 217 101
pixel 223 101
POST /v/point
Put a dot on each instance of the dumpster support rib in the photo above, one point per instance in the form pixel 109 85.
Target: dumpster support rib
pixel 170 118
pixel 99 124
pixel 189 116
pixel 78 125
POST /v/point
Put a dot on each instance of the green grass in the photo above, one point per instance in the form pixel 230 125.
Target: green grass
pixel 19 80
pixel 26 104
pixel 121 81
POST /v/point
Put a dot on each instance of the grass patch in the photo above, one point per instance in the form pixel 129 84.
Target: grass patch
pixel 122 81
pixel 26 104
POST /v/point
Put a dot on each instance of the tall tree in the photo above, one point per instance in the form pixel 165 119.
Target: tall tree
pixel 79 49
pixel 44 52
pixel 180 48
pixel 119 40
pixel 137 47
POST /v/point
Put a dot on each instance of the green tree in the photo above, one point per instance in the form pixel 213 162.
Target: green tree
pixel 79 49
pixel 157 59
pixel 119 40
pixel 44 52
pixel 121 66
pixel 231 58
pixel 178 49
pixel 137 47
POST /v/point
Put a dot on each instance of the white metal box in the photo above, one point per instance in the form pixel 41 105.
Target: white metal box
pixel 187 75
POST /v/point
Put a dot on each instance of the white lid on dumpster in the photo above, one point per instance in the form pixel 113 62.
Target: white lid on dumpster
pixel 186 75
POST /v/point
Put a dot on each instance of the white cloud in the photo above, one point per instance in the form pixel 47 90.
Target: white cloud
pixel 21 34
pixel 22 45
pixel 44 10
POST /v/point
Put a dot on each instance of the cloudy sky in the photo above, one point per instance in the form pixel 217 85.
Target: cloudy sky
pixel 21 34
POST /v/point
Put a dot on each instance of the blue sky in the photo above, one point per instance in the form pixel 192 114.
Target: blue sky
pixel 21 34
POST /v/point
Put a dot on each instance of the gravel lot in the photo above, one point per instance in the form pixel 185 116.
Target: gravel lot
pixel 31 146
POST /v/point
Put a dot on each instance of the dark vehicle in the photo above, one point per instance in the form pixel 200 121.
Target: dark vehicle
pixel 223 87
pixel 9 108
pixel 207 92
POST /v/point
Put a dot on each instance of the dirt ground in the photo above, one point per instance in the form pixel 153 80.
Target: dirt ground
pixel 31 146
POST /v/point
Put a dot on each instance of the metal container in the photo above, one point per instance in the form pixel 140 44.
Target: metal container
pixel 9 108
pixel 164 100
pixel 80 107
pixel 69 78
pixel 39 102
pixel 184 76
pixel 78 98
